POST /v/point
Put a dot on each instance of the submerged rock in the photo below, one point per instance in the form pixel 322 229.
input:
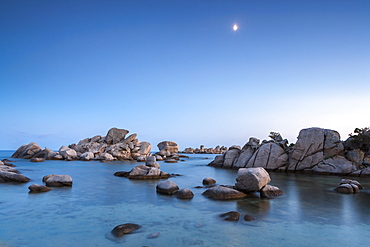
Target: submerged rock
pixel 123 229
pixel 249 217
pixel 231 216
pixel 269 191
pixel 184 194
pixel 223 193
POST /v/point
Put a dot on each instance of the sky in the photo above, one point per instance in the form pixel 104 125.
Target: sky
pixel 176 70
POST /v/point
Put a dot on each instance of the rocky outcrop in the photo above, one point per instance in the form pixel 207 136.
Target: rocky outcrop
pixel 144 172
pixel 203 150
pixel 169 146
pixel 114 146
pixel 317 150
pixel 6 176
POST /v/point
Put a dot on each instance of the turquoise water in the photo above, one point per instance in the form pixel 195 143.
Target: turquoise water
pixel 308 214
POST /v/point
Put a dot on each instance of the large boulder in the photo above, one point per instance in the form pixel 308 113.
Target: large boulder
pixel 145 148
pixel 167 187
pixel 6 176
pixel 218 161
pixel 313 145
pixel 27 151
pixel 54 180
pixel 115 135
pixel 223 193
pixel 184 194
pixel 251 179
pixel 170 146
pixel 144 172
pixel 270 156
pixel 230 156
pixel 247 152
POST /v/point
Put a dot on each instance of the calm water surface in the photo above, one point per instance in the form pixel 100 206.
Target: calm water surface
pixel 308 214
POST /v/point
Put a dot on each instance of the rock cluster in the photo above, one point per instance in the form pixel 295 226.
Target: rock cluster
pixel 317 150
pixel 114 146
pixel 170 188
pixel 203 150
pixel 348 186
pixel 248 180
pixel 9 174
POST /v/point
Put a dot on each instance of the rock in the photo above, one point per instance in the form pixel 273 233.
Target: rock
pixel 151 162
pixel 344 189
pixel 145 148
pixel 357 184
pixel 68 153
pixel 153 235
pixel 170 146
pixel 121 174
pixel 269 191
pixel 144 172
pixel 230 216
pixel 167 187
pixel 184 194
pixel 249 217
pixel 313 145
pixel 106 157
pixel 13 177
pixel 141 159
pixel 130 138
pixel 123 229
pixel 27 151
pixel 50 155
pixel 37 160
pixel 170 160
pixel 251 179
pixel 36 188
pixel 357 156
pixel 115 135
pixel 230 156
pixel 54 180
pixel 218 161
pixel 208 181
pixel 223 193
pixel 269 156
pixel 87 156
pixel 335 165
pixel 247 152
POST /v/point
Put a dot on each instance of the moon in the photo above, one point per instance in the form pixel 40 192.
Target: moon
pixel 235 27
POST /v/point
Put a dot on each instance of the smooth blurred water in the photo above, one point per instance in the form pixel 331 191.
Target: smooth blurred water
pixel 308 214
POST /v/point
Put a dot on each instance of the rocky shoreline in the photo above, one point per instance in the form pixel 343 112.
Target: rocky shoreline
pixel 317 150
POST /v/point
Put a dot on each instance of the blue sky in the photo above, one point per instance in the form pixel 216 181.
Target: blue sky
pixel 175 70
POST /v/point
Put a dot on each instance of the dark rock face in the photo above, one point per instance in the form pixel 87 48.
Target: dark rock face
pixel 184 194
pixel 269 191
pixel 123 229
pixel 37 188
pixel 27 151
pixel 115 135
pixel 223 193
pixel 249 217
pixel 231 216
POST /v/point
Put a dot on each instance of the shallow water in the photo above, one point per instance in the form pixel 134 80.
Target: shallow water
pixel 308 214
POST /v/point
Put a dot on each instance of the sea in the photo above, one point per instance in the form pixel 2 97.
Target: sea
pixel 309 213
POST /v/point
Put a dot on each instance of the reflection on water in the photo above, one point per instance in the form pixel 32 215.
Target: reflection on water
pixel 308 213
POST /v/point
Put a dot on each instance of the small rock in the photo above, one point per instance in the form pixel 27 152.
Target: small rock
pixel 231 216
pixel 208 181
pixel 223 193
pixel 37 160
pixel 127 228
pixel 344 189
pixel 36 188
pixel 249 217
pixel 184 194
pixel 57 180
pixel 153 235
pixel 269 191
